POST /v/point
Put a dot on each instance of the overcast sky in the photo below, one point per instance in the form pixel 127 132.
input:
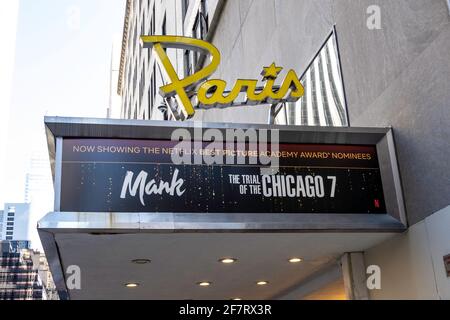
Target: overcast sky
pixel 62 66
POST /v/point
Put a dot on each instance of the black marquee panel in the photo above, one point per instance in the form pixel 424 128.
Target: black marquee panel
pixel 130 175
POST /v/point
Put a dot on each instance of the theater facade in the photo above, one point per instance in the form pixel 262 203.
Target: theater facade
pixel 291 159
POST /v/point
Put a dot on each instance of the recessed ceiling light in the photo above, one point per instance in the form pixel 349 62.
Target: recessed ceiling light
pixel 295 260
pixel 262 283
pixel 204 283
pixel 132 285
pixel 236 299
pixel 227 260
pixel 141 261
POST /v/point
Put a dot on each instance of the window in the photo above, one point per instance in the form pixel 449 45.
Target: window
pixel 199 31
pixel 153 24
pixel 197 28
pixel 151 30
pixel 142 84
pixel 135 40
pixel 152 92
pixel 10 224
pixel 11 214
pixel 164 27
pixel 204 11
pixel 185 7
pixel 187 64
pixel 203 19
pixel 193 56
pixel 8 238
pixel 323 103
pixel 10 219
pixel 9 233
pixel 9 228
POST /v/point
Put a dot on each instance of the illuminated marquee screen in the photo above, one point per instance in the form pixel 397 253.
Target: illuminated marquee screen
pixel 120 175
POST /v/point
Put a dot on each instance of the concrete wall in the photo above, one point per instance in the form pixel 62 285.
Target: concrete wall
pixel 396 76
pixel 412 265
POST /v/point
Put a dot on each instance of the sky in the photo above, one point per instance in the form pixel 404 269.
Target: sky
pixel 63 56
pixel 62 68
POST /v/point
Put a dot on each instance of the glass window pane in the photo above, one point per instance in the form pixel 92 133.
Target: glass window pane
pixel 323 103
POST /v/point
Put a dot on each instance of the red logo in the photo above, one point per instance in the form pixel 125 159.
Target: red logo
pixel 376 202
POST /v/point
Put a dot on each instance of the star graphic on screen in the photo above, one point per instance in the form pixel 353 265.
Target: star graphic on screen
pixel 271 72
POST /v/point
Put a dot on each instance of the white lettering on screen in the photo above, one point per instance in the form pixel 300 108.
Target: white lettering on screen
pixel 297 186
pixel 151 187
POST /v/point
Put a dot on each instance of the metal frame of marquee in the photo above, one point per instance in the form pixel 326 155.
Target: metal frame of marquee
pixel 58 128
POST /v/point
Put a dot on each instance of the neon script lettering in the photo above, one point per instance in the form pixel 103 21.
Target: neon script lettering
pixel 211 93
pixel 151 187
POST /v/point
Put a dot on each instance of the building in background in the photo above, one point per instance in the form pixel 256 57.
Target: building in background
pixel 9 11
pixel 16 222
pixel 24 272
pixel 45 275
pixel 19 272
pixel 38 180
pixel 1 224
pixel 396 75
pixel 38 193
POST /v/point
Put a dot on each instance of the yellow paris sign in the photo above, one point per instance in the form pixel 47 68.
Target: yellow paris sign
pixel 212 92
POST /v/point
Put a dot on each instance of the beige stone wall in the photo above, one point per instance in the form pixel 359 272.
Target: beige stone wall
pixel 412 265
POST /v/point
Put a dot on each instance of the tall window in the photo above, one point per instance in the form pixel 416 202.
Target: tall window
pixel 323 103
pixel 152 92
pixel 199 31
pixel 185 7
pixel 164 27
pixel 152 29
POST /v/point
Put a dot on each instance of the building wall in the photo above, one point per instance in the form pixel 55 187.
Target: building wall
pixel 412 265
pixel 139 76
pixel 396 76
pixel 253 34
